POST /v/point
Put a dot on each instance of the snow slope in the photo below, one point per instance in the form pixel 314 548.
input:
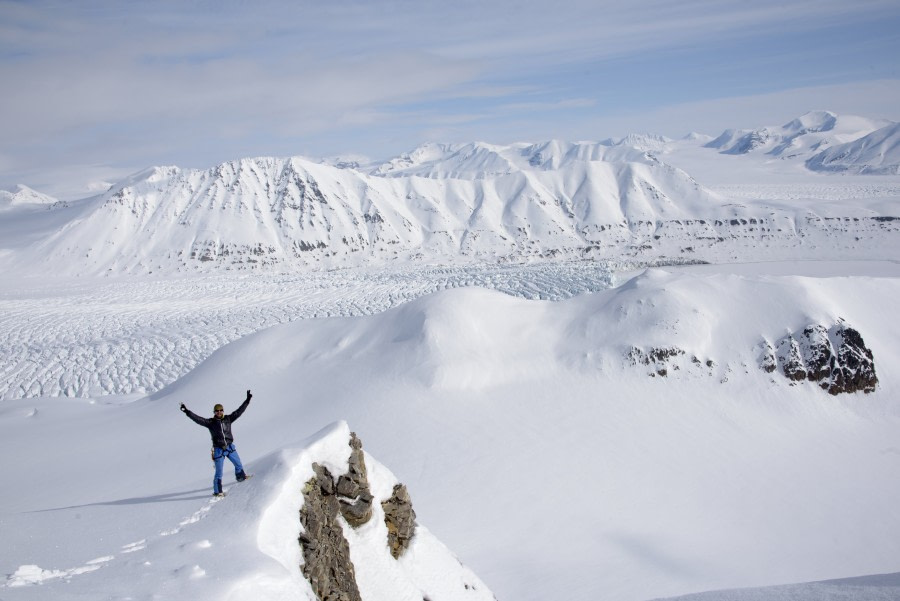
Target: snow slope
pixel 23 195
pixel 877 587
pixel 878 152
pixel 294 213
pixel 246 547
pixel 531 444
pixel 618 438
pixel 808 134
pixel 84 337
pixel 645 197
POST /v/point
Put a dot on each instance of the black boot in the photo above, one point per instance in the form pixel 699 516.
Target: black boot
pixel 240 476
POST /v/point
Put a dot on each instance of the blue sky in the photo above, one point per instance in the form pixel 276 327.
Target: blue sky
pixel 93 91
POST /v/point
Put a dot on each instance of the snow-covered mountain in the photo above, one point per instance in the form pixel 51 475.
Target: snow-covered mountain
pixel 802 137
pixel 473 202
pixel 23 196
pixel 479 160
pixel 294 212
pixel 876 153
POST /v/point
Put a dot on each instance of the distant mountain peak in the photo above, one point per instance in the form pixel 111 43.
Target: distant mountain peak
pixel 644 141
pixel 877 153
pixel 812 121
pixel 20 194
pixel 696 136
pixel 800 137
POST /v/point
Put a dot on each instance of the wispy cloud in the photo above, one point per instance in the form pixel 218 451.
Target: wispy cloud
pixel 124 85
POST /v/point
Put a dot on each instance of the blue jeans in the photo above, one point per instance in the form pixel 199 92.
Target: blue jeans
pixel 218 457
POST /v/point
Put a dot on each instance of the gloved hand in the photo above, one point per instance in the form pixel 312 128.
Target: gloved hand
pixel 249 396
pixel 183 408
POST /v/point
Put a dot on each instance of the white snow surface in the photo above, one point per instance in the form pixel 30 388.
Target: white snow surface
pixel 296 213
pixel 23 195
pixel 531 447
pixel 241 547
pixel 810 133
pixel 878 152
pixel 645 198
pixel 503 393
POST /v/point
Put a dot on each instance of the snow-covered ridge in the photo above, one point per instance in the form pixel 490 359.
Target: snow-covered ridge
pixel 479 160
pixel 474 202
pixel 294 212
pixel 248 543
pixel 24 196
pixel 657 325
pixel 876 153
pixel 809 134
pixel 92 344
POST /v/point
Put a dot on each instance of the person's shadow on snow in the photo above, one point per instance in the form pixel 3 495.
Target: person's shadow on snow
pixel 165 498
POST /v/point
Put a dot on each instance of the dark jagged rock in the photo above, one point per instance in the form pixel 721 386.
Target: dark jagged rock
pixel 836 358
pixel 659 359
pixel 400 520
pixel 817 353
pixel 855 368
pixel 326 552
pixel 353 487
pixel 791 360
pixel 768 361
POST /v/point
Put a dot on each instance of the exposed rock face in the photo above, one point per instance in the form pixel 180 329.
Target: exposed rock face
pixel 400 520
pixel 353 488
pixel 326 553
pixel 855 364
pixel 664 361
pixel 836 358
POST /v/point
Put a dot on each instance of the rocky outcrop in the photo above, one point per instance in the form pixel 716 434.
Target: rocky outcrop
pixel 400 520
pixel 663 361
pixel 836 358
pixel 326 552
pixel 353 488
pixel 657 358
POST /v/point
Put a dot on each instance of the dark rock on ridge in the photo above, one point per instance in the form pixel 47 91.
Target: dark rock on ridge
pixel 836 358
pixel 326 552
pixel 353 487
pixel 400 520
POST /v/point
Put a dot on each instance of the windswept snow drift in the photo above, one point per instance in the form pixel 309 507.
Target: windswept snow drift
pixel 532 447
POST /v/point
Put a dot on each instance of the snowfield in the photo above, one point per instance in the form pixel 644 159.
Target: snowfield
pixel 81 338
pixel 519 426
pixel 582 362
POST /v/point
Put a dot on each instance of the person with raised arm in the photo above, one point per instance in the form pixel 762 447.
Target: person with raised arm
pixel 219 426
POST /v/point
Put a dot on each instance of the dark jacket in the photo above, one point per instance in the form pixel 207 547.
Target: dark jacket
pixel 219 429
